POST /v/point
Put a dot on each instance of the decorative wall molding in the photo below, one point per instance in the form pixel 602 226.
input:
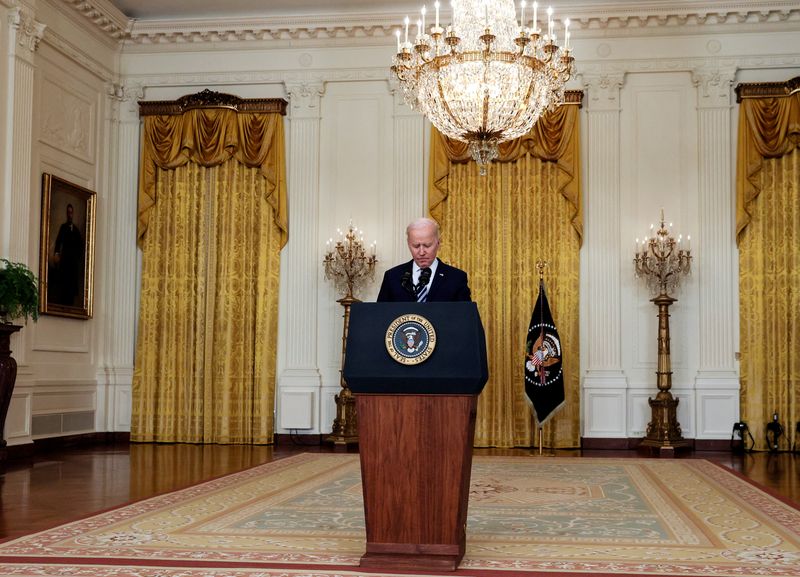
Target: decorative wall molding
pixel 125 98
pixel 29 31
pixel 597 68
pixel 603 90
pixel 71 52
pixel 587 20
pixel 305 98
pixel 68 121
pixel 714 86
pixel 295 79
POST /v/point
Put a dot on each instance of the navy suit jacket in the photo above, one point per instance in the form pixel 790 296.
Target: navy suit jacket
pixel 449 284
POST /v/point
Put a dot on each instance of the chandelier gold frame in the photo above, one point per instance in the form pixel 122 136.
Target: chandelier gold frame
pixel 484 79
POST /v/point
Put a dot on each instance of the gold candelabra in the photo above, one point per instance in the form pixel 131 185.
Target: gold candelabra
pixel 662 260
pixel 348 264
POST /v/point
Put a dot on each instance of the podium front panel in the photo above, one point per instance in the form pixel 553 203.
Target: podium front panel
pixel 457 364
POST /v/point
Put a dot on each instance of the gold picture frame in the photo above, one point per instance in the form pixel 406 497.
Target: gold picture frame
pixel 66 257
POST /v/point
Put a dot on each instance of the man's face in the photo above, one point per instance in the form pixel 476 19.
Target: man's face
pixel 69 214
pixel 423 244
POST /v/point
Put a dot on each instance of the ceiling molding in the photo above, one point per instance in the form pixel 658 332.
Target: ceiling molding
pixel 588 20
pixel 104 16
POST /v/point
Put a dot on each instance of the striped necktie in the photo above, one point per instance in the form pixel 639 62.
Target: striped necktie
pixel 423 286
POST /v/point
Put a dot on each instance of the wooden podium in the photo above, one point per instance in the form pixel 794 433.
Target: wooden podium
pixel 416 430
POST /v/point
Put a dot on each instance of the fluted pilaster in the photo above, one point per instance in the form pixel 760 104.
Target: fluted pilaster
pixel 604 382
pixel 25 33
pixel 604 363
pixel 716 248
pixel 409 175
pixel 299 381
pixel 120 282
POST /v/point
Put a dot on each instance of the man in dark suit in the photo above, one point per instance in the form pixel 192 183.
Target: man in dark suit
pixel 424 277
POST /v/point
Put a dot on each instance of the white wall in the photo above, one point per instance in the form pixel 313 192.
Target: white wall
pixel 658 129
pixel 55 72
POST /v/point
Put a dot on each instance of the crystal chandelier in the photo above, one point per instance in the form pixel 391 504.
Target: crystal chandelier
pixel 487 77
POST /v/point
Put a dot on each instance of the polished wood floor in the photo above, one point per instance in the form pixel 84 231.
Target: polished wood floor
pixel 56 487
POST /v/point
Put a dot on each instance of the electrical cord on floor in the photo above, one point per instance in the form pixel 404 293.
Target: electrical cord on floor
pixel 296 439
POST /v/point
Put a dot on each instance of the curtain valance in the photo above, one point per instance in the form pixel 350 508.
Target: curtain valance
pixel 769 127
pixel 209 137
pixel 554 138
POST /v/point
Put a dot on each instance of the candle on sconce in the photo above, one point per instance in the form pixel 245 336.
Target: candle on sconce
pixel 419 29
pixel 535 17
pixel 422 25
pixel 550 21
pixel 566 35
pixel 436 5
pixel 397 34
pixel 522 15
pixel 406 22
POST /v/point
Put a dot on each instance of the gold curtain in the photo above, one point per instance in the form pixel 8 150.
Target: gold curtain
pixel 768 232
pixel 528 207
pixel 212 221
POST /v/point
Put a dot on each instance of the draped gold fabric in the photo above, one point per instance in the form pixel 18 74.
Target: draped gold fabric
pixel 768 227
pixel 211 225
pixel 208 137
pixel 528 207
pixel 768 128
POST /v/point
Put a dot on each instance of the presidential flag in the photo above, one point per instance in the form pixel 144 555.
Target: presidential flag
pixel 544 379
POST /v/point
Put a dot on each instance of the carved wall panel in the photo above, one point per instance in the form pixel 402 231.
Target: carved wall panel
pixel 68 120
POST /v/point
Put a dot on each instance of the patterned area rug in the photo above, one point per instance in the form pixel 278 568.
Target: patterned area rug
pixel 560 516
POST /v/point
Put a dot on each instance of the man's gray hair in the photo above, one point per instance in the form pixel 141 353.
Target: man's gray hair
pixel 423 223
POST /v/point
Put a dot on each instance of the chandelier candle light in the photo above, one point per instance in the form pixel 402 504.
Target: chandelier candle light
pixel 348 264
pixel 487 77
pixel 662 261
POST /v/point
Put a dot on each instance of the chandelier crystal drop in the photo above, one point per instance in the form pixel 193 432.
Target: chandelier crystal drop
pixel 487 77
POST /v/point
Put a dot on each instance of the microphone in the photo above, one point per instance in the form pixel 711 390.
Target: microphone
pixel 424 277
pixel 405 282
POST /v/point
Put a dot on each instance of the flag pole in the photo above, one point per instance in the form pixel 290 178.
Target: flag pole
pixel 540 266
pixel 541 444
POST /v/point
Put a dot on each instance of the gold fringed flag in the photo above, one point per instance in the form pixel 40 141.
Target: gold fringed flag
pixel 544 379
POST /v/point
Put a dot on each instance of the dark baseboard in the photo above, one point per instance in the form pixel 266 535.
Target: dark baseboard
pixel 315 440
pixel 59 443
pixel 618 444
pixel 634 442
pixel 712 445
pixel 294 439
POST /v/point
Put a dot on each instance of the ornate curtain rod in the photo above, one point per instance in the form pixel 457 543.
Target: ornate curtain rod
pixel 767 89
pixel 210 99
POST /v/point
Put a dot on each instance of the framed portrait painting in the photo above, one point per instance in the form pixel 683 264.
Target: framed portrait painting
pixel 66 259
